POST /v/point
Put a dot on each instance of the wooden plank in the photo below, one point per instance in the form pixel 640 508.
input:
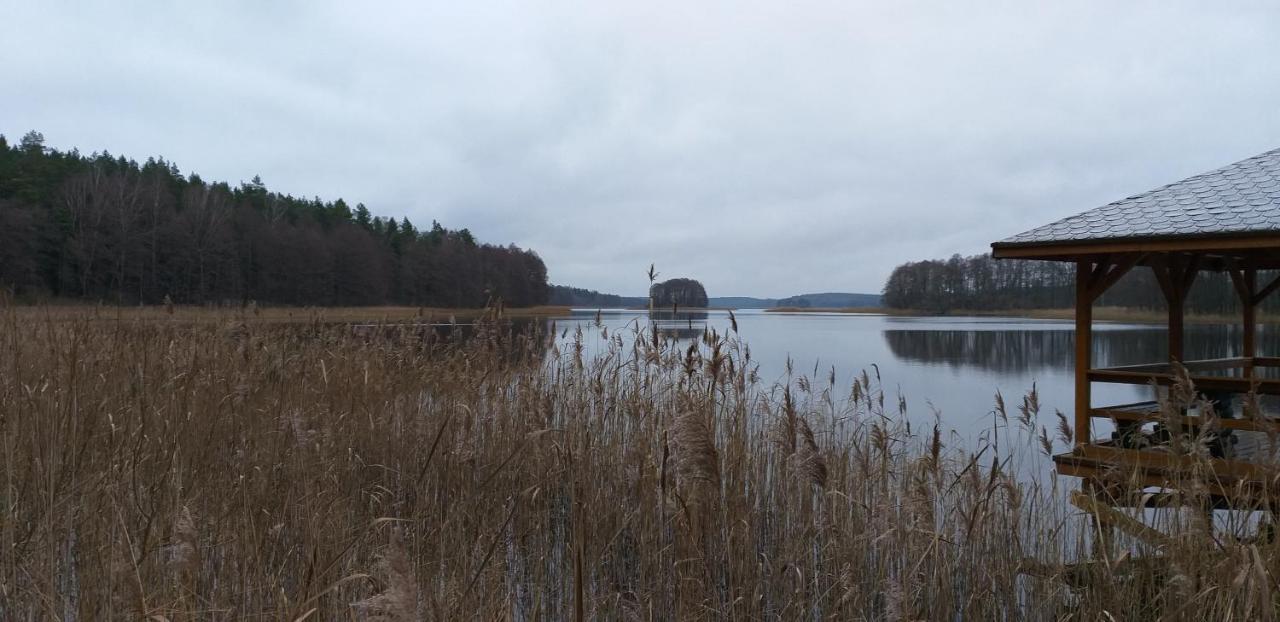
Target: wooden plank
pixel 1084 353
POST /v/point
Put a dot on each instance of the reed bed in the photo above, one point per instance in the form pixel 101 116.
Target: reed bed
pixel 246 469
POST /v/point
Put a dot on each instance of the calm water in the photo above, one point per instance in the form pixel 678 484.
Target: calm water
pixel 953 364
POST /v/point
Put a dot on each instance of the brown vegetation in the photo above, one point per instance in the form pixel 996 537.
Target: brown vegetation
pixel 239 468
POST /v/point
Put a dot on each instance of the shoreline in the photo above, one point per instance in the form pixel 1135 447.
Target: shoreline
pixel 1103 314
pixel 270 314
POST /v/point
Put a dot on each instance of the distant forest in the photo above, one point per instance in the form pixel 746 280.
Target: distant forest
pixel 982 283
pixel 105 228
pixel 563 295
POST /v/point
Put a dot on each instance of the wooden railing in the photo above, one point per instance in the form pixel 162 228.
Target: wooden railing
pixel 1163 374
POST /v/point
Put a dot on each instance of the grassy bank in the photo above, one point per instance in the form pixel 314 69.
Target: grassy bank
pixel 245 468
pixel 1104 314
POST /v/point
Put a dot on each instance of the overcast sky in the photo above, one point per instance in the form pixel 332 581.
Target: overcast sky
pixel 766 150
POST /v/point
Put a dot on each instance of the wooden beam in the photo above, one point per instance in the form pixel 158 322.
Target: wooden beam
pixel 1249 304
pixel 1180 465
pixel 1268 425
pixel 1176 326
pixel 1265 386
pixel 1190 270
pixel 1100 265
pixel 1266 291
pixel 1084 352
pixel 1115 518
pixel 1238 280
pixel 1246 285
pixel 1250 496
pixel 1175 290
pixel 1080 250
pixel 1160 266
pixel 1197 365
pixel 1101 283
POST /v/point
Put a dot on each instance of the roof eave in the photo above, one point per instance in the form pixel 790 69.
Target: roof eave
pixel 1069 250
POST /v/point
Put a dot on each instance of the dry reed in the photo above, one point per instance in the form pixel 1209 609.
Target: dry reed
pixel 247 468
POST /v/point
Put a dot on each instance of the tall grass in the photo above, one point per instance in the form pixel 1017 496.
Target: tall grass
pixel 240 468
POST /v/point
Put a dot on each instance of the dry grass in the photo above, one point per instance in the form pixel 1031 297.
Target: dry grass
pixel 237 468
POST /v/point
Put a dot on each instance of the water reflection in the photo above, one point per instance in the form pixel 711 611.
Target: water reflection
pixel 1009 350
pixel 680 325
pixel 990 350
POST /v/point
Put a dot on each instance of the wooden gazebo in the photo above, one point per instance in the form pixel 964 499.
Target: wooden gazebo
pixel 1227 220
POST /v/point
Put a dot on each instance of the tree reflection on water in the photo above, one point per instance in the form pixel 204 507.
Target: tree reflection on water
pixel 1029 350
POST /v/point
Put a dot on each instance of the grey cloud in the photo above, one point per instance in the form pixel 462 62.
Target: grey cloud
pixel 765 149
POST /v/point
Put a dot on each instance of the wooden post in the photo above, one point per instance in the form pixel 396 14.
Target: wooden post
pixel 1176 305
pixel 1246 282
pixel 1084 350
pixel 1250 314
pixel 1176 276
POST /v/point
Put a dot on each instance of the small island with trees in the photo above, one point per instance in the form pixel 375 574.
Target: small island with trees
pixel 678 293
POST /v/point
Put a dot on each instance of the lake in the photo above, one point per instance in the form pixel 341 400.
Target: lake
pixel 952 365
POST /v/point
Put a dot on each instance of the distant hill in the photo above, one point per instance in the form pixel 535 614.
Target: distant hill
pixel 742 302
pixel 831 300
pixel 575 297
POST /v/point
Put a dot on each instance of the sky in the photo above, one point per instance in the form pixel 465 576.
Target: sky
pixel 766 149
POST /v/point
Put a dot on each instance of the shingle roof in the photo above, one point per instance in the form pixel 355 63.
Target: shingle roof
pixel 1239 199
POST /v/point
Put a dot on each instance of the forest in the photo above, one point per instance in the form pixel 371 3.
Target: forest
pixel 981 283
pixel 107 229
pixel 563 295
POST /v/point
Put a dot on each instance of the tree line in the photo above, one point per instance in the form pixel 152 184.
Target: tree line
pixel 109 229
pixel 982 283
pixel 564 295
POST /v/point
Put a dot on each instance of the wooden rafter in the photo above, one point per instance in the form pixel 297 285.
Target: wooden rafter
pixel 1244 289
